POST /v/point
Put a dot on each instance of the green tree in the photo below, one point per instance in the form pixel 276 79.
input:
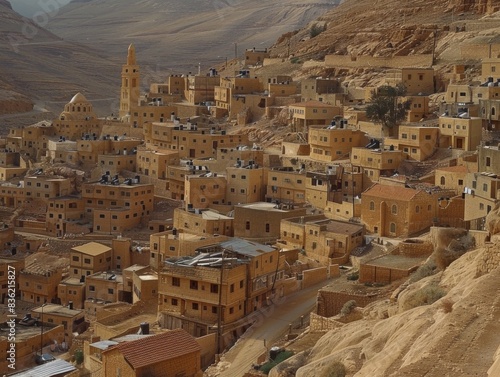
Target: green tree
pixel 387 106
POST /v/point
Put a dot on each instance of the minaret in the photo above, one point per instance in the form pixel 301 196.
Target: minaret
pixel 129 94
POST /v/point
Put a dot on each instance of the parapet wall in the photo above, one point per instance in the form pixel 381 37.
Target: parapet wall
pixel 330 302
pixel 415 249
pixel 346 61
pixel 318 323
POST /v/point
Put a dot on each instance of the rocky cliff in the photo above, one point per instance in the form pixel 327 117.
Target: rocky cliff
pixel 443 325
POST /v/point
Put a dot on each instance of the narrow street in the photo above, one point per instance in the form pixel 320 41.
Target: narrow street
pixel 271 325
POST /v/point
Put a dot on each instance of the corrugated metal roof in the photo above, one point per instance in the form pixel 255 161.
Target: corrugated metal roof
pixel 245 247
pixel 53 368
pixel 104 344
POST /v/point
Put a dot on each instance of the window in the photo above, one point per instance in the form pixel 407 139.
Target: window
pixel 214 309
pixel 241 283
pixel 214 288
pixel 231 288
pixel 268 228
pixel 372 206
pixel 393 228
pixel 91 288
pixel 110 291
pixel 176 282
pixel 194 305
pixel 394 209
pixel 485 187
pixel 488 161
pixel 193 284
pixel 443 180
pixel 174 302
pixel 247 225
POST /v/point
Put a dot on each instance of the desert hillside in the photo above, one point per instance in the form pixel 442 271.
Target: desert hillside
pixel 446 324
pixel 48 69
pixel 174 35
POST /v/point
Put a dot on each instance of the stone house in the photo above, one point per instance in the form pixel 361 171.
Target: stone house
pixel 173 353
pixel 418 143
pixel 334 142
pixel 38 283
pixel 261 221
pixel 395 211
pixel 72 320
pixel 65 214
pixel 89 259
pixel 204 190
pixel 245 183
pixel 376 163
pixel 460 133
pixel 306 114
pixel 417 81
pixel 285 185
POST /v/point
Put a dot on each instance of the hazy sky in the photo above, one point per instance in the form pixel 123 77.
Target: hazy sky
pixel 28 8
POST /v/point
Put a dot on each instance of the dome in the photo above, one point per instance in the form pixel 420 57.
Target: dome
pixel 78 98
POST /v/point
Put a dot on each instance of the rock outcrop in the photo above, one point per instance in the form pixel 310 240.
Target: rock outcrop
pixel 456 335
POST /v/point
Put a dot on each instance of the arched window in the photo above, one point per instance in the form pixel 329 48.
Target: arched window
pixel 372 206
pixel 393 228
pixel 394 209
pixel 443 180
pixel 247 225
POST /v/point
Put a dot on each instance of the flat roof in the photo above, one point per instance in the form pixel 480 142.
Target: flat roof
pixel 212 215
pixel 396 262
pixel 92 248
pixel 57 309
pixel 262 206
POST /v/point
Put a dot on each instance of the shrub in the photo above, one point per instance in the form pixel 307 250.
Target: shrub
pixel 316 30
pixel 282 356
pixel 79 356
pixel 428 269
pixel 336 370
pixel 353 276
pixel 426 296
pixel 295 60
pixel 447 305
pixel 348 307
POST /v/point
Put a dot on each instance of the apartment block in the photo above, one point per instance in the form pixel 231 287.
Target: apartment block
pixel 38 283
pixel 285 185
pixel 306 114
pixel 245 183
pixel 376 163
pixel 203 221
pixel 231 280
pixel 115 206
pixel 65 215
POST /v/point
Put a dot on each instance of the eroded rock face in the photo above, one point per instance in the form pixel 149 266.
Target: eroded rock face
pixel 493 222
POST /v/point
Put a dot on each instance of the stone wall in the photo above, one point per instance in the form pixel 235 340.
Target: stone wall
pixel 415 248
pixel 330 303
pixel 417 61
pixel 318 323
pixel 313 276
pixel 377 274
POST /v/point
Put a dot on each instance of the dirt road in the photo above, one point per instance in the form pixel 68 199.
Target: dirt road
pixel 271 324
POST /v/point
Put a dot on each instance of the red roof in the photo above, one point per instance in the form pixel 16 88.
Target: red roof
pixel 391 192
pixel 157 348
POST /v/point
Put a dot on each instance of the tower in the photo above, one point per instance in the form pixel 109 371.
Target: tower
pixel 129 93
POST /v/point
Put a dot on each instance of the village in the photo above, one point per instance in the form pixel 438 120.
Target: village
pixel 150 239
